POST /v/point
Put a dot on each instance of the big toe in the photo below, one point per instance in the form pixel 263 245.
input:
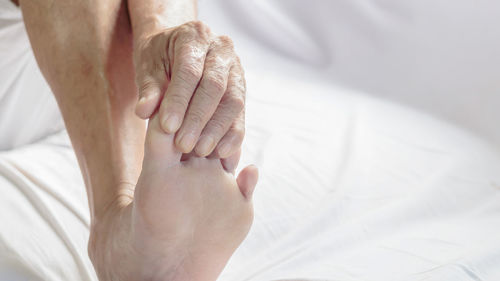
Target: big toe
pixel 160 148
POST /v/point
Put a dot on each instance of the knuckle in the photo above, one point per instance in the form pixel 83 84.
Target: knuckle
pixel 189 72
pixel 240 86
pixel 151 76
pixel 195 118
pixel 237 79
pixel 146 85
pixel 214 84
pixel 218 62
pixel 197 24
pixel 192 51
pixel 186 28
pixel 181 34
pixel 226 41
pixel 234 104
pixel 237 103
pixel 217 127
pixel 198 29
pixel 176 101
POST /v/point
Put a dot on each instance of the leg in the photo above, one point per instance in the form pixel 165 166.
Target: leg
pixel 84 49
pixel 187 217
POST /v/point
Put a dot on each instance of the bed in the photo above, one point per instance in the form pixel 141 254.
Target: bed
pixel 367 172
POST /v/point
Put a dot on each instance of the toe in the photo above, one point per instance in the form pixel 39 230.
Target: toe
pixel 160 148
pixel 247 180
pixel 231 162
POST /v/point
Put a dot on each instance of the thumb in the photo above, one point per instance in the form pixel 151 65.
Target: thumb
pixel 247 180
pixel 150 94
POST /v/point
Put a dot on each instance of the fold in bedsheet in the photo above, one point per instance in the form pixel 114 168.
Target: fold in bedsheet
pixel 28 110
pixel 43 213
pixel 442 56
pixel 351 188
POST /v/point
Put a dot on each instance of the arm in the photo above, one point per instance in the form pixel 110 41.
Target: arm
pixel 84 50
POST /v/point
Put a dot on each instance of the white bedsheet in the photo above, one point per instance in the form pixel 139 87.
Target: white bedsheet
pixel 441 56
pixel 351 187
pixel 28 110
pixel 358 189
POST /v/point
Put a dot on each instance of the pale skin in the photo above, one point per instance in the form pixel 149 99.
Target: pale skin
pixel 205 86
pixel 156 213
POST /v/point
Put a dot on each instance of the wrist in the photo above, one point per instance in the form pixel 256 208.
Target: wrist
pixel 152 16
pixel 146 28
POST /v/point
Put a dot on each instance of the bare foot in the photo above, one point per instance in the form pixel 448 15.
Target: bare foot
pixel 186 220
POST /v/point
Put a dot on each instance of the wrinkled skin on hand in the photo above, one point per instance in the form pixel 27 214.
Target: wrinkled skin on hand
pixel 196 82
pixel 184 223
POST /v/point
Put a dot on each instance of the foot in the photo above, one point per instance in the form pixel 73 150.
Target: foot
pixel 187 218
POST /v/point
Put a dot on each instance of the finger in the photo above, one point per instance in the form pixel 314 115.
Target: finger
pixel 150 92
pixel 247 180
pixel 160 150
pixel 231 162
pixel 232 140
pixel 151 75
pixel 208 94
pixel 232 104
pixel 189 51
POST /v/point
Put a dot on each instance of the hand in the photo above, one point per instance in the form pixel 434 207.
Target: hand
pixel 186 219
pixel 203 85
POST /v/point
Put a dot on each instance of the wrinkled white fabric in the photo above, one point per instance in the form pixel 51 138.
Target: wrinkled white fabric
pixel 351 187
pixel 44 215
pixel 28 110
pixel 358 189
pixel 441 56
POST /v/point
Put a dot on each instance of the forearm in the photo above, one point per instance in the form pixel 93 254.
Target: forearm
pixel 84 51
pixel 151 16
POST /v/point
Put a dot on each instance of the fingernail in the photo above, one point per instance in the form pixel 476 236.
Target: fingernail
pixel 187 142
pixel 142 100
pixel 224 150
pixel 171 123
pixel 146 97
pixel 205 145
